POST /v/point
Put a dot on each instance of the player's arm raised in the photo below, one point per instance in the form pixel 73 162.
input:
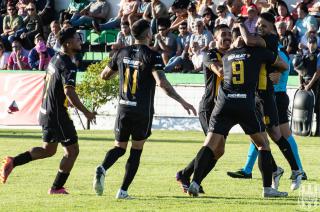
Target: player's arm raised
pixel 251 40
pixel 163 83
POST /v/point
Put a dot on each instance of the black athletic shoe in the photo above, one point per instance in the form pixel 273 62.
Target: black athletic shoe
pixel 239 174
pixel 304 176
pixel 184 181
pixel 201 191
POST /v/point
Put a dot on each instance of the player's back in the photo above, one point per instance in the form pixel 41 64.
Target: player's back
pixel 137 85
pixel 241 68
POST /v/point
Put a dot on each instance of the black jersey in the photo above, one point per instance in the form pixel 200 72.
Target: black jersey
pixel 212 81
pixel 61 72
pixel 137 86
pixel 241 70
pixel 265 84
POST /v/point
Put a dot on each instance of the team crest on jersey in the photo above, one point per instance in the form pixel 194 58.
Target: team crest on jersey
pixel 309 197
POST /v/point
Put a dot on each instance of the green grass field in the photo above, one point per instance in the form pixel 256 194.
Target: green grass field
pixel 154 187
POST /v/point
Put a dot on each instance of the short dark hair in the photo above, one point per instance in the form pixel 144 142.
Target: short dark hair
pixel 140 29
pixel 304 8
pixel 183 24
pixel 17 39
pixel 165 22
pixel 268 17
pixel 235 32
pixel 220 27
pixel 38 35
pixel 66 34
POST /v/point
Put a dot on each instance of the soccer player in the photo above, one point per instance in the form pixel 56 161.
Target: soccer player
pixel 140 69
pixel 236 104
pixel 59 89
pixel 267 38
pixel 213 75
pixel 282 101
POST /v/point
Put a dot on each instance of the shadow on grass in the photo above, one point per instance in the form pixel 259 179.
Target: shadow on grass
pixel 37 136
pixel 244 201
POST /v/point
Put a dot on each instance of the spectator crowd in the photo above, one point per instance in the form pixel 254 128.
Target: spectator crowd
pixel 183 33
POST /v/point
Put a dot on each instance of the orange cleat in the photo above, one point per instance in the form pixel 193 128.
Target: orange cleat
pixel 6 169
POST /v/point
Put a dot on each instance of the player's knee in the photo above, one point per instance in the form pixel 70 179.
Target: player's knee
pixel 218 152
pixel 50 152
pixel 72 153
pixel 274 134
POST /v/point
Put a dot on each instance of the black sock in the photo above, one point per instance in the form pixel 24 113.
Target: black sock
pixel 131 168
pixel 187 172
pixel 204 157
pixel 60 180
pixel 208 169
pixel 274 165
pixel 21 159
pixel 265 166
pixel 112 156
pixel 286 150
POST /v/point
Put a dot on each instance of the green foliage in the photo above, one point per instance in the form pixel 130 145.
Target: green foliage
pixel 94 91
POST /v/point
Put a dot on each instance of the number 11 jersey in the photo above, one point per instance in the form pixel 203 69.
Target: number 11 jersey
pixel 136 83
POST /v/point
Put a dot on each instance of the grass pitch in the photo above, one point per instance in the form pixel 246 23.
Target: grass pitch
pixel 154 187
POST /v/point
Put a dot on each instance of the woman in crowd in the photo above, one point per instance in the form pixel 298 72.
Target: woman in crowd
pixel 284 15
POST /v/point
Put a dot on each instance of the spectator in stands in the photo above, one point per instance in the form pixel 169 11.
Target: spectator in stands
pixel 124 37
pixel 155 10
pixel 192 16
pixel 18 59
pixel 284 15
pixel 11 23
pixel 310 79
pixel 165 42
pixel 40 55
pixel 307 3
pixel 197 57
pixel 180 16
pixel 286 38
pixel 209 19
pixel 271 6
pixel 22 7
pixel 311 33
pixel 304 21
pixel 32 25
pixel 245 6
pixel 200 35
pixel 46 11
pixel 127 7
pixel 97 10
pixel 181 59
pixel 252 19
pixel 234 7
pixel 224 17
pixel 75 6
pixel 204 5
pixel 140 11
pixel 315 10
pixel 4 57
pixel 52 38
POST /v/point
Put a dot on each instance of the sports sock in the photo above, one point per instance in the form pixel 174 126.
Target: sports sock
pixel 187 172
pixel 131 168
pixel 294 148
pixel 286 150
pixel 112 156
pixel 21 159
pixel 265 166
pixel 60 180
pixel 203 161
pixel 273 164
pixel 251 159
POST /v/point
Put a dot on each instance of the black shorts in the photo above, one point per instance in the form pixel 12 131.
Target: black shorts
pixel 268 107
pixel 229 112
pixel 134 124
pixel 204 118
pixel 66 134
pixel 282 100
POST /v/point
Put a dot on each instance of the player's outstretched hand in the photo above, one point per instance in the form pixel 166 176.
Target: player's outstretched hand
pixel 91 116
pixel 189 107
